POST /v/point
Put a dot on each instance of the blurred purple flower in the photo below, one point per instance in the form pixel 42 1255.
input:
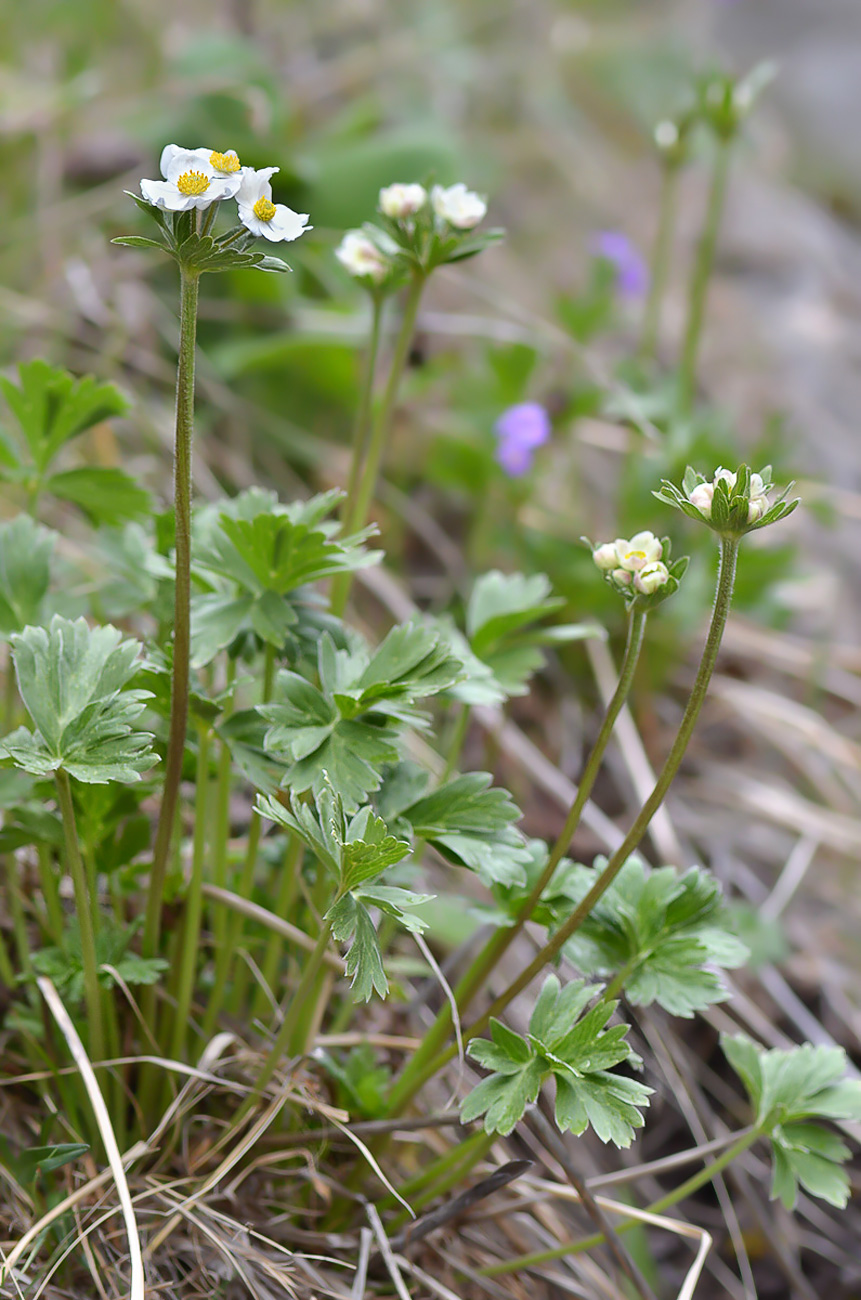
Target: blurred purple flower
pixel 632 273
pixel 521 430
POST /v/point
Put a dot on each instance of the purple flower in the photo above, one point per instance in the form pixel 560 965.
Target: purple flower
pixel 521 430
pixel 632 274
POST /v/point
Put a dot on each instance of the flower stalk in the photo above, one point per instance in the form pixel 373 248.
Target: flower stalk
pixel 660 262
pixel 189 282
pixel 75 863
pixel 701 274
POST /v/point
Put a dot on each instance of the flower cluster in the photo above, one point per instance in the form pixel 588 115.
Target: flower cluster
pixel 419 230
pixel 639 567
pixel 731 502
pixel 521 430
pixel 194 179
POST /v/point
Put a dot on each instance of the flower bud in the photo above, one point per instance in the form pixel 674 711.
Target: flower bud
pixel 757 507
pixel 360 256
pixel 701 497
pixel 606 556
pixel 643 548
pixel 402 200
pixel 651 577
pixel 460 207
pixel 622 577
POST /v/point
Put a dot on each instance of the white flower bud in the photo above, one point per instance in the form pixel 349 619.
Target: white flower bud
pixel 757 487
pixel 460 207
pixel 622 577
pixel 606 556
pixel 361 257
pixel 643 548
pixel 701 497
pixel 756 508
pixel 727 475
pixel 651 578
pixel 402 200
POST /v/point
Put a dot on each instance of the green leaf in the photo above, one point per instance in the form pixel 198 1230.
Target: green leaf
pixel 28 1165
pixel 471 823
pixel 73 679
pixel 243 733
pixel 502 602
pixel 669 933
pixel 26 552
pixel 369 850
pixel 578 1051
pixel 116 964
pixel 351 920
pixel 51 407
pixel 139 241
pixel 108 496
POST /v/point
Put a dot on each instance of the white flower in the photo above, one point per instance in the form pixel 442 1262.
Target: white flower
pixel 651 577
pixel 458 206
pixel 728 477
pixel 622 577
pixel 643 548
pixel 606 557
pixel 360 256
pixel 191 180
pixel 401 200
pixel 702 497
pixel 257 212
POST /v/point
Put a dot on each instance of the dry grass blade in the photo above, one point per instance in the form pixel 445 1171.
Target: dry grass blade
pixel 365 1238
pixel 387 1253
pixel 103 1120
pixel 255 912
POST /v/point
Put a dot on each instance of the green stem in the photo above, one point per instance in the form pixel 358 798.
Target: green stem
pixel 92 991
pixel 226 949
pixel 290 868
pixel 285 1038
pixel 661 260
pixel 362 427
pixel 222 823
pixel 188 953
pixel 50 893
pixel 458 736
pixel 408 1086
pixel 18 916
pixel 477 974
pixel 701 275
pixel 693 1184
pixel 189 281
pixel 360 503
pixel 10 694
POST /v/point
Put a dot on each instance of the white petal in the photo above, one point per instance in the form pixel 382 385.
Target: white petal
pixel 249 220
pixel 255 184
pixel 287 224
pixel 222 187
pixel 186 160
pixel 167 197
pixel 167 155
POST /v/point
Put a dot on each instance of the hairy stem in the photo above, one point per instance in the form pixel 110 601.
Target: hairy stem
pixel 701 275
pixel 181 625
pixel 360 503
pixel 188 954
pixel 661 261
pixel 484 963
pixel 92 991
pixel 407 1087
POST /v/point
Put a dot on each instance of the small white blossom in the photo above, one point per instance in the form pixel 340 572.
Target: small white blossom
pixel 360 256
pixel 725 474
pixel 460 207
pixel 257 212
pixel 757 507
pixel 622 577
pixel 643 548
pixel 402 200
pixel 702 497
pixel 606 556
pixel 191 180
pixel 651 577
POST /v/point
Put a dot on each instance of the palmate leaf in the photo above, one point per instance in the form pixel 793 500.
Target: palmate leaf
pixel 347 729
pixel 578 1051
pixel 106 494
pixel 51 406
pixel 788 1091
pixel 355 851
pixel 72 679
pixel 26 552
pixel 669 933
pixel 471 823
pixel 65 965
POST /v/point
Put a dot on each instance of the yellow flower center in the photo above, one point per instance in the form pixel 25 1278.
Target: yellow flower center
pixel 224 162
pixel 192 183
pixel 263 209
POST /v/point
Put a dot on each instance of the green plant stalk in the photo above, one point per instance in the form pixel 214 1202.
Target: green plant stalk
pixel 362 426
pixel 92 990
pixel 661 261
pixel 437 1168
pixel 10 695
pixel 693 1184
pixel 458 737
pixel 701 275
pixel 449 1175
pixel 7 970
pixel 189 946
pixel 411 1080
pixel 484 963
pixel 50 893
pixel 189 283
pixel 285 1038
pixel 282 907
pixel 358 506
pixel 222 822
pixel 19 918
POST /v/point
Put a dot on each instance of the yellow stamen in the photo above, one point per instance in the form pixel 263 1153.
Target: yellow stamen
pixel 225 162
pixel 192 183
pixel 263 209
